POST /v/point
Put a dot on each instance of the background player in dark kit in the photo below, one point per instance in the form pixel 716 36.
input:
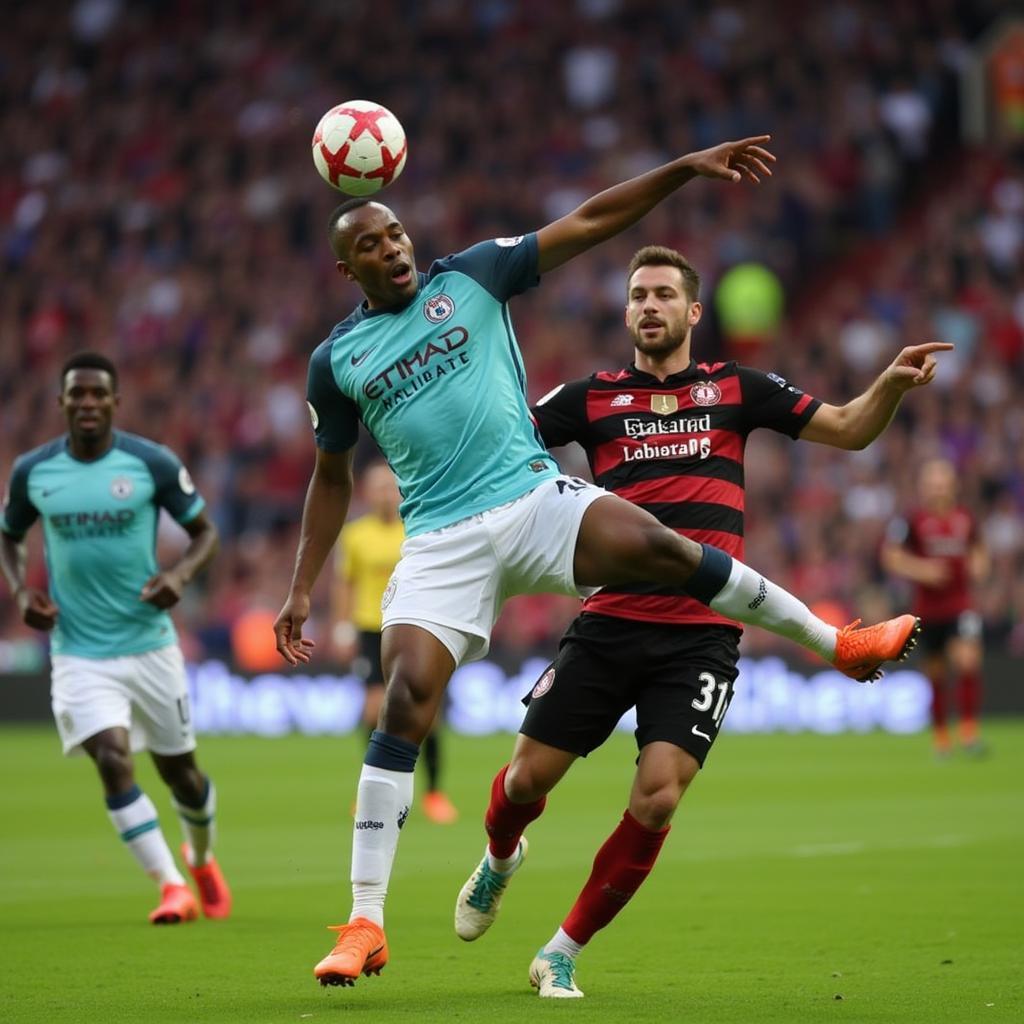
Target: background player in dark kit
pixel 937 548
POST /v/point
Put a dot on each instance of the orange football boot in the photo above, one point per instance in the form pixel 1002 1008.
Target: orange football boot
pixel 214 894
pixel 177 904
pixel 860 651
pixel 361 948
pixel 439 809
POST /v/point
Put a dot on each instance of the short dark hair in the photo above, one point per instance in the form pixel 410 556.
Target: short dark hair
pixel 336 216
pixel 89 361
pixel 663 256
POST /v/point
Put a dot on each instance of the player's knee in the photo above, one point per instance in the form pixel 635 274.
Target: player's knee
pixel 410 704
pixel 665 551
pixel 654 807
pixel 524 782
pixel 115 767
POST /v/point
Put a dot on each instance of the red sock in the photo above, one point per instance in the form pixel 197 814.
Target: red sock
pixel 968 692
pixel 619 869
pixel 505 820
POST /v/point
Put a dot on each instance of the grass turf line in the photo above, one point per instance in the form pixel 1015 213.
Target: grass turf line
pixel 800 868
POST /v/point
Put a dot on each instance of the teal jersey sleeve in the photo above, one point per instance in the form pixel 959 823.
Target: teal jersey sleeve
pixel 19 513
pixel 335 416
pixel 503 266
pixel 173 486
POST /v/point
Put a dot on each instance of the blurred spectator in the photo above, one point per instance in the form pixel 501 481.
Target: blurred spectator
pixel 157 201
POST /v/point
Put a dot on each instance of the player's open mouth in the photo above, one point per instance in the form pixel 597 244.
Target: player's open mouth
pixel 402 274
pixel 651 325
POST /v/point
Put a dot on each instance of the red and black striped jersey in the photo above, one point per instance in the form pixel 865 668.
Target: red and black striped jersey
pixel 674 447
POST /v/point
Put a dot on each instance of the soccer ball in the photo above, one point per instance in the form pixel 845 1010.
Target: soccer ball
pixel 359 147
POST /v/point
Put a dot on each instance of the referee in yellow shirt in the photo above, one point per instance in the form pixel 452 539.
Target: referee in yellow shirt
pixel 368 550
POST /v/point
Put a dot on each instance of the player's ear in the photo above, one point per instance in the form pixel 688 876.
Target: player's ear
pixel 345 270
pixel 693 317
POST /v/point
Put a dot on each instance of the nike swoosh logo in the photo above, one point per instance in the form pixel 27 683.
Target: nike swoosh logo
pixel 356 360
pixel 51 490
pixel 697 732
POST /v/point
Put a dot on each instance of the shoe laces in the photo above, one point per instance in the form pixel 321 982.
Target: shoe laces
pixel 858 641
pixel 563 969
pixel 351 933
pixel 207 885
pixel 489 886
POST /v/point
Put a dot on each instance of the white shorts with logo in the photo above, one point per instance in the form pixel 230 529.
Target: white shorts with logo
pixel 144 693
pixel 453 581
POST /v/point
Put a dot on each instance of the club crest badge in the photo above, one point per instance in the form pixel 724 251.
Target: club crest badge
pixel 664 405
pixel 438 308
pixel 121 487
pixel 706 393
pixel 544 684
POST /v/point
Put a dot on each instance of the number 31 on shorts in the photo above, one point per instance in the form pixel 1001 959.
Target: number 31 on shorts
pixel 706 697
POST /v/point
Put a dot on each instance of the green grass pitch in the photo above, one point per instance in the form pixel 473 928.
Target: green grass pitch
pixel 806 879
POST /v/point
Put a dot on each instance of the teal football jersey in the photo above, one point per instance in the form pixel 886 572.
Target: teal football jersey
pixel 99 534
pixel 439 383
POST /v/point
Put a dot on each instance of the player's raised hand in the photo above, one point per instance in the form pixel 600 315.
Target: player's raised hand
pixel 36 608
pixel 732 161
pixel 162 590
pixel 915 365
pixel 291 644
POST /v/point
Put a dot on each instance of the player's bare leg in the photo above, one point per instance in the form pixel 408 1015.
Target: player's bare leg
pixel 517 797
pixel 621 543
pixel 195 799
pixel 134 817
pixel 417 667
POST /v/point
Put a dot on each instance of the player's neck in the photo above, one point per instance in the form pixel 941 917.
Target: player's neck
pixel 663 366
pixel 89 449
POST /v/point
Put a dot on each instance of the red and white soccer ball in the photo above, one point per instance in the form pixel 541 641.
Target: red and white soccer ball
pixel 359 147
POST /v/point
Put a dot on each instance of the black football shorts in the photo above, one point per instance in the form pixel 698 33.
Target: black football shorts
pixel 936 635
pixel 679 678
pixel 367 664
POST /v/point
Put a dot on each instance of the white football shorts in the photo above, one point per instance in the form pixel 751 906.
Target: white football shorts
pixel 144 693
pixel 454 581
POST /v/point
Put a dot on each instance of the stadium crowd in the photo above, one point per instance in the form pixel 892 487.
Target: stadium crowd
pixel 158 203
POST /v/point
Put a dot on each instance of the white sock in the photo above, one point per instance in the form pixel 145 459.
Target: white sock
pixel 503 865
pixel 751 598
pixel 561 943
pixel 382 805
pixel 139 827
pixel 199 825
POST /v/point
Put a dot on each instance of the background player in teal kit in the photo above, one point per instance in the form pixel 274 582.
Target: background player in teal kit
pixel 118 681
pixel 430 365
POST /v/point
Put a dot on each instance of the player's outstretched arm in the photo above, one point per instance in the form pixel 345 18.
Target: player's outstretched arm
pixel 164 589
pixel 855 425
pixel 617 208
pixel 35 607
pixel 898 561
pixel 327 501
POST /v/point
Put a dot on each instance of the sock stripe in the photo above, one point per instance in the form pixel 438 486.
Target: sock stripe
pixel 710 575
pixel 133 833
pixel 195 819
pixel 391 753
pixel 122 800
